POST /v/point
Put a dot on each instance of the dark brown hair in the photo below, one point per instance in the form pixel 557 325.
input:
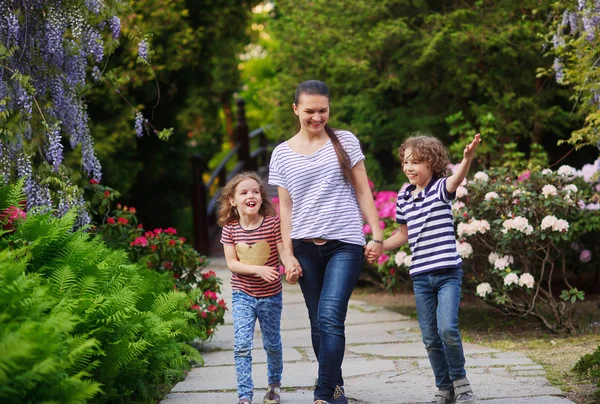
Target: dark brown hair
pixel 429 149
pixel 228 213
pixel 316 87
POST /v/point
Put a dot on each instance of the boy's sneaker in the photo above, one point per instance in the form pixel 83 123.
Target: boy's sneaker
pixel 272 396
pixel 245 401
pixel 321 402
pixel 463 392
pixel 338 396
pixel 443 397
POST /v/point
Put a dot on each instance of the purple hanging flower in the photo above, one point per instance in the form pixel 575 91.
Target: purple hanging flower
pixel 558 68
pixel 139 124
pixel 143 50
pixel 114 23
pixel 54 152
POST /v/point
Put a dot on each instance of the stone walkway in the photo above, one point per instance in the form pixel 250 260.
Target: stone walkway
pixel 385 362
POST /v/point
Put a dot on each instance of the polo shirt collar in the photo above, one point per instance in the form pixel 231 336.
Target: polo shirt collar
pixel 424 192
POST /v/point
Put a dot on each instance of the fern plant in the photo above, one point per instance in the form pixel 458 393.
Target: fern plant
pixel 74 311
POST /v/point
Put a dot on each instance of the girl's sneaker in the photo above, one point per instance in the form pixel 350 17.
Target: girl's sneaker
pixel 321 402
pixel 338 396
pixel 272 396
pixel 245 401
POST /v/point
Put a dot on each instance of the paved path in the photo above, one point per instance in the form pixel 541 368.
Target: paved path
pixel 385 362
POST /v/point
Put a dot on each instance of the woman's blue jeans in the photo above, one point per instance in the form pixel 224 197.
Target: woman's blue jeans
pixel 330 273
pixel 438 299
pixel 246 309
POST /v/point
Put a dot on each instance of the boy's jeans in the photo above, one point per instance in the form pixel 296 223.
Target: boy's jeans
pixel 330 273
pixel 438 298
pixel 246 309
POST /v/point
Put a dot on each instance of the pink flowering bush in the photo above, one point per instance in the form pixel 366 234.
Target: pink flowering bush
pixel 528 232
pixel 161 250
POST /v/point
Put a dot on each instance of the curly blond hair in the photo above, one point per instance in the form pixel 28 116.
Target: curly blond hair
pixel 429 149
pixel 227 212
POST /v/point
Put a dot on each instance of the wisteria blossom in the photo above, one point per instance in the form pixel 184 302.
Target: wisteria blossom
pixel 554 224
pixel 465 250
pixel 491 195
pixel 549 190
pixel 518 223
pixel 526 279
pixel 511 278
pixel 481 176
pixel 483 289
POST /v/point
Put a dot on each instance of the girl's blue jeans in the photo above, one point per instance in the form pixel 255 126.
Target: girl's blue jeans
pixel 330 273
pixel 438 299
pixel 246 309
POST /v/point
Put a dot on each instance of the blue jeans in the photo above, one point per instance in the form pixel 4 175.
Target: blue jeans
pixel 330 273
pixel 246 309
pixel 438 298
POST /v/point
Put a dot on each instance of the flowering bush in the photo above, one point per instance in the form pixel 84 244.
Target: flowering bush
pixel 391 271
pixel 161 250
pixel 527 241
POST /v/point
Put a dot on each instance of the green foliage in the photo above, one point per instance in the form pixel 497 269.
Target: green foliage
pixel 194 64
pixel 395 67
pixel 589 365
pixel 81 323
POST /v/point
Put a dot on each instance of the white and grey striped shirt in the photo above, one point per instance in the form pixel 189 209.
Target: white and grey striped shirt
pixel 324 205
pixel 431 237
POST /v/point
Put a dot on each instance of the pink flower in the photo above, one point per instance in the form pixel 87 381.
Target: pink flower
pixel 140 241
pixel 367 229
pixel 392 271
pixel 170 230
pixel 383 258
pixel 381 225
pixel 525 176
pixel 585 256
pixel 275 200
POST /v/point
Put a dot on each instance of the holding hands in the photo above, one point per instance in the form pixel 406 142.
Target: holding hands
pixel 373 251
pixel 293 270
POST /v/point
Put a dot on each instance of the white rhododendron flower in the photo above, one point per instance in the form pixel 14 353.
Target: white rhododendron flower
pixel 481 176
pixel 465 250
pixel 472 227
pixel 517 192
pixel 570 188
pixel 551 222
pixel 503 262
pixel 518 223
pixel 491 195
pixel 526 279
pixel 483 289
pixel 546 171
pixel 549 190
pixel 399 258
pixel 461 191
pixel 566 171
pixel 493 257
pixel 408 260
pixel 511 278
pixel 458 205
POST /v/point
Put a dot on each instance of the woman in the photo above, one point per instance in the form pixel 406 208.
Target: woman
pixel 323 195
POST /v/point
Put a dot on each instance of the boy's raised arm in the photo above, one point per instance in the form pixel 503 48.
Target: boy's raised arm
pixel 453 182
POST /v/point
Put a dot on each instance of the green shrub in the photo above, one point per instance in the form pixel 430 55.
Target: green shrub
pixel 589 365
pixel 78 318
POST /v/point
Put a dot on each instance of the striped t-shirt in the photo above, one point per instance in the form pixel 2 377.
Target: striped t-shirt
pixel 268 234
pixel 428 216
pixel 324 205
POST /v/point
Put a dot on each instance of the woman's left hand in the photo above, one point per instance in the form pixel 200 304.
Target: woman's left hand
pixel 373 250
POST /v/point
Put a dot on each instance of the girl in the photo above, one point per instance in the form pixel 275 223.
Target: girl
pixel 251 240
pixel 323 195
pixel 424 212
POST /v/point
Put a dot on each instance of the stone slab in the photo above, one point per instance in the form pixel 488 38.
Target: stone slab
pixel 225 358
pixel 412 350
